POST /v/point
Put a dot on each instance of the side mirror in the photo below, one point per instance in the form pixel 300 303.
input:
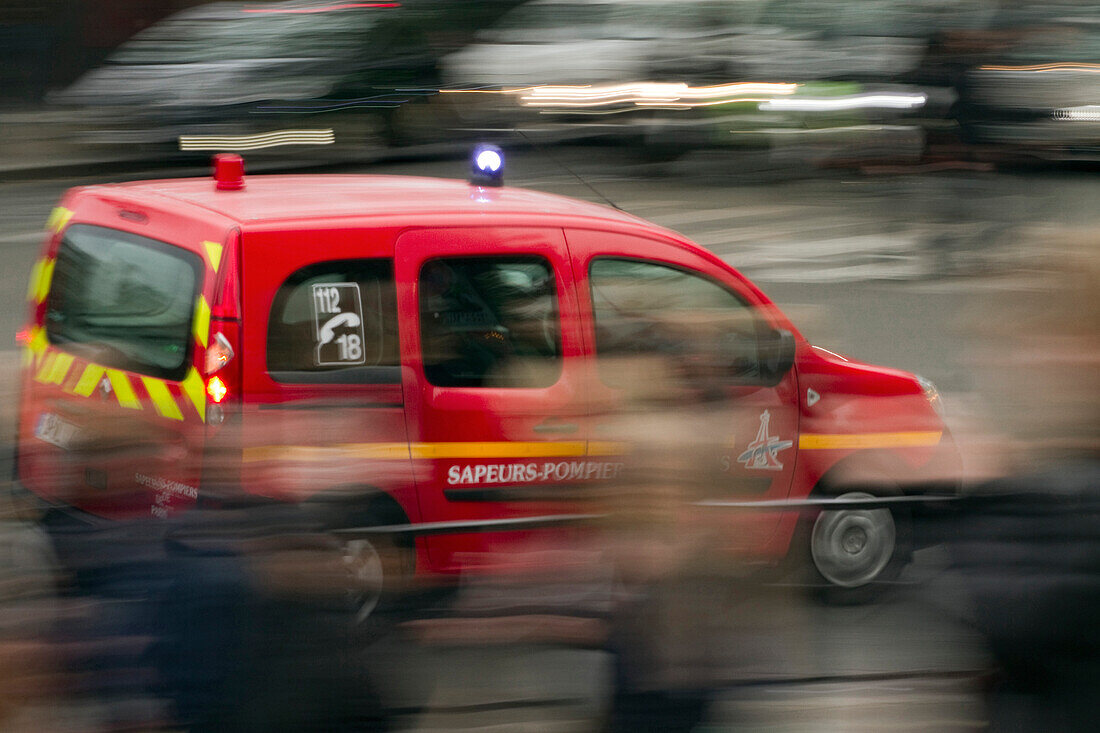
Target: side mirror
pixel 777 348
pixel 757 360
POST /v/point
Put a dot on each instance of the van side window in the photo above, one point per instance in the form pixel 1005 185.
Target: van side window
pixel 335 322
pixel 651 317
pixel 125 301
pixel 490 322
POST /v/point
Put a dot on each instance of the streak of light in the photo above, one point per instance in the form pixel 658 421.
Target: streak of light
pixel 379 102
pixel 236 143
pixel 647 94
pixel 326 9
pixel 1085 113
pixel 1060 66
pixel 513 90
pixel 846 102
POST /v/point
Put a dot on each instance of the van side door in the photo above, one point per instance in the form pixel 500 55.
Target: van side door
pixel 492 360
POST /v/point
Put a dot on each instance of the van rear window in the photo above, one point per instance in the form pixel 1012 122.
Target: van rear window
pixel 123 300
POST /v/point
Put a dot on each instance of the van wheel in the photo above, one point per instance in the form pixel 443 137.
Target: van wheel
pixel 854 552
pixel 365 578
pixel 379 572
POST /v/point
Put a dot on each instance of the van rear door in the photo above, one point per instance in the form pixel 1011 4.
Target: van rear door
pixel 113 407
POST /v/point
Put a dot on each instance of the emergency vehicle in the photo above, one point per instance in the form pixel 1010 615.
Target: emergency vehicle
pixel 431 357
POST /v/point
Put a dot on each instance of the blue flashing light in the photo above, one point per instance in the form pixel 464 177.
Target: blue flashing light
pixel 487 165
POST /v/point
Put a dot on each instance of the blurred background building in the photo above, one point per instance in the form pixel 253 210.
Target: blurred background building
pixel 48 43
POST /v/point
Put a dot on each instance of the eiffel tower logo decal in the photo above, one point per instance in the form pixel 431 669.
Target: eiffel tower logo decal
pixel 761 452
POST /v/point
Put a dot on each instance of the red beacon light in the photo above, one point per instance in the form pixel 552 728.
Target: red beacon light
pixel 228 172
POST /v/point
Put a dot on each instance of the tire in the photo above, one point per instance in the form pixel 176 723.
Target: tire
pixel 854 554
pixel 380 568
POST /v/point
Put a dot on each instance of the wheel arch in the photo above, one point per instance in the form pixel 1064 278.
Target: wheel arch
pixel 351 505
pixel 862 470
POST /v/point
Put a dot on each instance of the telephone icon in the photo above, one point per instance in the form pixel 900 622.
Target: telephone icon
pixel 328 330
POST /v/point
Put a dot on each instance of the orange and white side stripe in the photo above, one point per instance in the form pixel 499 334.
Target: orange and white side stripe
pixel 427 451
pixel 497 450
pixel 866 441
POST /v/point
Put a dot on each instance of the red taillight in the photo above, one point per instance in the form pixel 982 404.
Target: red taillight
pixel 222 371
pixel 223 351
pixel 218 354
pixel 216 389
pixel 23 337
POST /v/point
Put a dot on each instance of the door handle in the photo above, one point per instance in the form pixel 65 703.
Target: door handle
pixel 550 426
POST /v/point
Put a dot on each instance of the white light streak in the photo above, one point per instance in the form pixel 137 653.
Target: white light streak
pixel 233 143
pixel 646 94
pixel 1085 113
pixel 846 102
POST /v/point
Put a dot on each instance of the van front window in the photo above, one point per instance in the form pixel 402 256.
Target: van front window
pixel 123 300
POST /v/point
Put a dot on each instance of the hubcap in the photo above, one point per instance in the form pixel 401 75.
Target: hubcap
pixel 851 547
pixel 855 538
pixel 365 575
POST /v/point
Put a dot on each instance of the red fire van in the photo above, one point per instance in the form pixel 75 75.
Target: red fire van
pixel 433 356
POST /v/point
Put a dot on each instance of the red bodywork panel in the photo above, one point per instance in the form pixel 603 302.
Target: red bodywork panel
pixel 121 443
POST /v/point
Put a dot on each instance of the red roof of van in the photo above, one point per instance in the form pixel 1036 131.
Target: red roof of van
pixel 282 197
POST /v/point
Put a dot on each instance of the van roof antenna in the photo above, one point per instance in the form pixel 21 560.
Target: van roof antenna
pixel 570 171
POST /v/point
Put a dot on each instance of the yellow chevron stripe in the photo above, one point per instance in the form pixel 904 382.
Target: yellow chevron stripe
pixel 59 217
pixel 35 348
pixel 41 277
pixel 863 441
pixel 162 398
pixel 195 390
pixel 57 365
pixel 46 368
pixel 213 253
pixel 60 368
pixel 124 391
pixel 201 322
pixel 39 343
pixel 89 380
pixel 45 279
pixel 36 273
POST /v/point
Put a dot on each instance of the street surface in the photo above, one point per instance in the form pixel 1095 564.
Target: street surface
pixel 901 269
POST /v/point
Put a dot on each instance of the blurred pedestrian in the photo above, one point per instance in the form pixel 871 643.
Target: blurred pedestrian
pixel 676 577
pixel 1028 549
